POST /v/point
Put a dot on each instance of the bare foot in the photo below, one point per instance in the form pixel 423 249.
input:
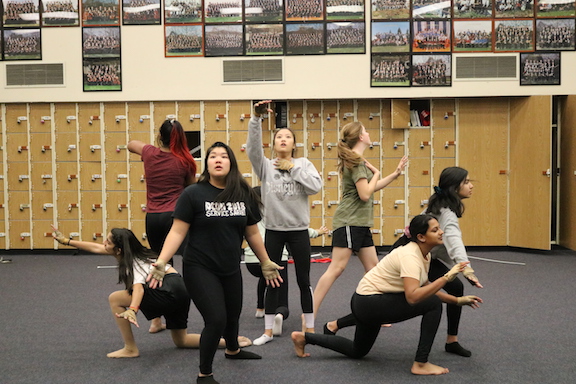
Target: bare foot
pixel 428 369
pixel 124 353
pixel 299 344
pixel 243 341
pixel 156 327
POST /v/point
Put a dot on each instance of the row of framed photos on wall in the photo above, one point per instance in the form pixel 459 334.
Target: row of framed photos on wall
pixel 435 70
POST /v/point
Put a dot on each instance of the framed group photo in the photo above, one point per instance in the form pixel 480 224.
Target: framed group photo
pixel 304 10
pixel 141 12
pixel 390 36
pixel 264 39
pixel 540 68
pixel 432 70
pixel 472 36
pixel 555 8
pixel 305 39
pixel 60 13
pixel 431 36
pixel 22 44
pixel 344 10
pixel 555 34
pixel 263 11
pixel 514 35
pixel 21 13
pixel 183 40
pixel 102 74
pixel 390 70
pixel 390 9
pixel 346 37
pixel 472 9
pixel 182 11
pixel 218 11
pixel 100 42
pixel 223 40
pixel 100 12
pixel 513 8
pixel 431 9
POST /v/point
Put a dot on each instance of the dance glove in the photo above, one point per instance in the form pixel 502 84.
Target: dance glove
pixel 130 315
pixel 59 237
pixel 470 300
pixel 158 270
pixel 451 274
pixel 284 165
pixel 270 269
pixel 260 109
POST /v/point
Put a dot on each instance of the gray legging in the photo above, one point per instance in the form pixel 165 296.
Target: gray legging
pixel 371 311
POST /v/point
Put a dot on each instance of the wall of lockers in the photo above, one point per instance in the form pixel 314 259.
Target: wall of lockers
pixel 67 163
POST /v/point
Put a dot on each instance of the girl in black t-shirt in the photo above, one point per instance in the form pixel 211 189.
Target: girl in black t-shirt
pixel 217 213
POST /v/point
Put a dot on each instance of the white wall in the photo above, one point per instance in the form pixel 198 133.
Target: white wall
pixel 148 75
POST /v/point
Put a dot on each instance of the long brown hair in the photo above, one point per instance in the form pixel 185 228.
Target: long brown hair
pixel 349 136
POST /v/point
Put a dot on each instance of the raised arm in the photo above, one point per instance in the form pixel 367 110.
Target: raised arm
pixel 383 182
pixel 254 141
pixel 87 246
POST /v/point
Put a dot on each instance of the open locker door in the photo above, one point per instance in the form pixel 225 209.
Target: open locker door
pixel 530 172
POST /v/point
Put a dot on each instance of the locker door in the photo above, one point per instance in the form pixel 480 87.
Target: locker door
pixel 210 137
pixel 67 175
pixel 90 147
pixel 20 234
pixel 68 205
pixel 419 142
pixel 238 112
pixel 530 172
pixel 19 205
pixel 40 147
pixel 238 140
pixel 139 116
pixel 42 176
pixel 369 114
pixel 313 115
pixel 296 115
pixel 331 176
pixel 40 117
pixel 418 200
pixel 117 207
pixel 444 142
pixel 137 205
pixel 92 204
pixel 161 111
pixel 115 146
pixel 139 229
pixel 91 176
pixel 89 118
pixel 346 112
pixel 419 172
pixel 393 228
pixel 115 117
pixel 189 115
pixel 393 142
pixel 331 201
pixel 17 148
pixel 443 113
pixel 137 177
pixel 66 146
pixel 117 176
pixel 70 229
pixel 42 235
pixel 93 230
pixel 393 202
pixel 401 113
pixel 18 177
pixel 65 117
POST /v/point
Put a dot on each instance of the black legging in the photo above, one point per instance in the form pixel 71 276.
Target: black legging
pixel 454 288
pixel 371 311
pixel 256 270
pixel 157 227
pixel 299 244
pixel 219 301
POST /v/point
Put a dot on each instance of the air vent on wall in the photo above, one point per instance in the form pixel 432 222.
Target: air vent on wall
pixel 501 67
pixel 26 75
pixel 253 71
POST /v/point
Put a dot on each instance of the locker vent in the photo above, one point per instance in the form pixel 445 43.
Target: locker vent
pixel 25 75
pixel 486 67
pixel 253 71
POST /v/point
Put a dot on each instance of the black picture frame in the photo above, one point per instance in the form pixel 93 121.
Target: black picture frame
pixel 102 74
pixel 390 36
pixel 100 13
pixel 431 70
pixel 223 40
pixel 141 12
pixel 182 11
pixel 305 39
pixel 22 43
pixel 431 9
pixel 431 35
pixel 540 68
pixel 514 35
pixel 304 10
pixel 472 36
pixel 346 37
pixel 555 34
pixel 60 13
pixel 101 42
pixel 264 39
pixel 183 40
pixel 390 70
pixel 551 8
pixel 218 11
pixel 513 8
pixel 19 15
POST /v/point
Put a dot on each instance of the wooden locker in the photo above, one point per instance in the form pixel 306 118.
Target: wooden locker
pixel 70 229
pixel 346 112
pixel 439 165
pixel 17 147
pixel 443 113
pixel 316 205
pixel 376 231
pixel 20 234
pixel 245 168
pixel 190 115
pixel 3 233
pixel 331 201
pixel 66 146
pixel 419 142
pixel 215 116
pixel 373 152
pixel 369 114
pixel 144 137
pixel 40 116
pixel 393 144
pixel 239 115
pixel 210 137
pixel 65 118
pixel 40 147
pixel 90 146
pixel 91 176
pixel 16 118
pixel 19 205
pixel 330 175
pixel 89 118
pixel 137 177
pixel 400 113
pixel 18 176
pixel 444 142
pixel 418 200
pixel 42 235
pixel 139 117
pixel 238 144
pixel 91 205
pixel 115 146
pixel 67 205
pixel 392 229
pixel 330 117
pixel 41 176
pixel 67 177
pixel 390 165
pixel 296 115
pixel 394 202
pixel 117 176
pixel 313 115
pixel 93 230
pixel 137 205
pixel 139 229
pixel 419 172
pixel 117 207
pixel 386 113
pixel 115 119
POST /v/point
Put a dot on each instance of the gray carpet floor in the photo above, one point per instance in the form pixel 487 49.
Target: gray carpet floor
pixel 56 327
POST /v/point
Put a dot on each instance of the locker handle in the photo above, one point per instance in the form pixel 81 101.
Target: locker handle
pixel 243 148
pixel 449 143
pixel 94 177
pixel 24 206
pixel 23 177
pixel 316 202
pixel 121 206
pixel 315 145
pixel 71 147
pixel 46 147
pixel 220 116
pixel 424 143
pixel 70 118
pixel 398 232
pixel 21 118
pixel 96 235
pixel 142 178
pixel 547 173
pixel 70 177
pixel 144 236
pixel 72 205
pixel 423 203
pixel 45 206
pixel 143 207
pixel 333 202
pixel 95 147
pixel 244 116
pixel 94 206
pixel 120 147
pixel 22 148
pixel 330 115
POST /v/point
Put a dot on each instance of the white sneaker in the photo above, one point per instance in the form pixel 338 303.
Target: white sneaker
pixel 277 327
pixel 259 313
pixel 263 339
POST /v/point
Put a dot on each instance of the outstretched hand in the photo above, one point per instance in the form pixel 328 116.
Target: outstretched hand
pixel 59 236
pixel 262 107
pixel 471 300
pixel 468 273
pixel 270 272
pixel 129 315
pixel 401 165
pixel 452 273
